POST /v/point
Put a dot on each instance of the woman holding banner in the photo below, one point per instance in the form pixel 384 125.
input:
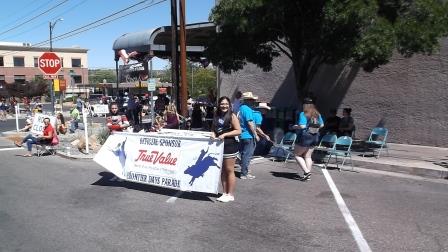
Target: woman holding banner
pixel 226 127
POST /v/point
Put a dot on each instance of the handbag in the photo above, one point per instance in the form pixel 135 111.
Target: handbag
pixel 55 139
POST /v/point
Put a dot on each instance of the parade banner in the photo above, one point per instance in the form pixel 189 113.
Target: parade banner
pixel 100 109
pixel 181 160
pixel 38 123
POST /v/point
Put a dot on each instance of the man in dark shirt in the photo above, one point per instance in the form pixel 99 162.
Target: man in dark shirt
pixel 331 125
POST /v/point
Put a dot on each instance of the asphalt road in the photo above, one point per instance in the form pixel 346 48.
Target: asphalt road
pixel 55 204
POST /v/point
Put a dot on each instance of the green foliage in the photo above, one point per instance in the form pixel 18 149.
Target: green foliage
pixel 200 79
pixel 99 75
pixel 316 32
pixel 37 87
pixel 103 135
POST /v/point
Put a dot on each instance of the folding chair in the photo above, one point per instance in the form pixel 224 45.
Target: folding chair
pixel 286 146
pixel 48 147
pixel 342 149
pixel 42 149
pixel 377 140
pixel 326 145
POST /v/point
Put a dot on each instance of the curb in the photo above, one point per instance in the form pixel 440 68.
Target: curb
pixel 75 157
pixel 417 171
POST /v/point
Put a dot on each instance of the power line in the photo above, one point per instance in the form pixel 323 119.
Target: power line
pixel 73 32
pixel 69 9
pixel 31 19
pixel 18 11
pixel 61 37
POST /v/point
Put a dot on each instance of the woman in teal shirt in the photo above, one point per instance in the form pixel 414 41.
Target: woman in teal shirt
pixel 308 125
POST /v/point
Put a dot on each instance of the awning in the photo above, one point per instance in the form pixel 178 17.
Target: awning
pixel 157 42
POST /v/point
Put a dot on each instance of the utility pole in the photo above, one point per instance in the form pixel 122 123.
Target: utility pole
pixel 183 60
pixel 174 54
pixel 51 26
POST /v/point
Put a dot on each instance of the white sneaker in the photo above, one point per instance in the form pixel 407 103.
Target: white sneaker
pixel 223 196
pixel 248 176
pixel 226 198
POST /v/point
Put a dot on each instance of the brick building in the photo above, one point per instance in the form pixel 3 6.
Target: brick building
pixel 19 63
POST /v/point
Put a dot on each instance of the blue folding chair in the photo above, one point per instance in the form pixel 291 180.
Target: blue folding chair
pixel 326 145
pixel 286 146
pixel 341 149
pixel 377 140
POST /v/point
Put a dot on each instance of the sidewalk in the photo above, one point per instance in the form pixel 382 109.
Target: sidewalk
pixel 417 160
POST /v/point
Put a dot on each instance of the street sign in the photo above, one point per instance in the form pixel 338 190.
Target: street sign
pixel 56 85
pixel 49 63
pixel 50 77
pixel 152 84
pixel 62 85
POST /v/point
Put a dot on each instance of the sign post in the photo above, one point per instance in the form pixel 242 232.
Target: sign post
pixel 152 88
pixel 50 64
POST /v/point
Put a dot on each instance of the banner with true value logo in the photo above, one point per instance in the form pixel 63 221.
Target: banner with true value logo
pixel 181 160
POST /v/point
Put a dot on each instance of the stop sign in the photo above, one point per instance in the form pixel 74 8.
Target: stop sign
pixel 49 63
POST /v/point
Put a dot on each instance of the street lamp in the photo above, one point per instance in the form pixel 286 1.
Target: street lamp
pixel 52 25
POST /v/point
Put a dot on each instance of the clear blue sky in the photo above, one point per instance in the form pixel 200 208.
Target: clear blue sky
pixel 77 13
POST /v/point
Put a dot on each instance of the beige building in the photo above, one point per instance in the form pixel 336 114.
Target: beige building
pixel 19 63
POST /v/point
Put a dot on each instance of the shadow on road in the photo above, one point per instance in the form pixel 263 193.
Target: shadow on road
pixel 288 175
pixel 106 177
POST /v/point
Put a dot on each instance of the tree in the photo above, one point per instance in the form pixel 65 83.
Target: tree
pixel 98 76
pixel 36 87
pixel 316 32
pixel 200 79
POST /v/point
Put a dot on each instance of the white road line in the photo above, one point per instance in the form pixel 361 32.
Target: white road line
pixel 356 232
pixel 14 148
pixel 174 198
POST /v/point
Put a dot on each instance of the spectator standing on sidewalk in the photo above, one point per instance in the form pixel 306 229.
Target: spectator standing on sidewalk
pixel 264 145
pixel 171 117
pixel 308 125
pixel 237 102
pixel 79 104
pixel 46 138
pixel 75 117
pixel 226 128
pixel 248 137
pixel 2 109
pixel 115 120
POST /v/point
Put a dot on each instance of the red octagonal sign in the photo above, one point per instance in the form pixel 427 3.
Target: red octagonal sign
pixel 49 63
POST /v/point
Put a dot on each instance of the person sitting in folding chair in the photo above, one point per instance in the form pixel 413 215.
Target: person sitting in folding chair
pixel 46 138
pixel 308 125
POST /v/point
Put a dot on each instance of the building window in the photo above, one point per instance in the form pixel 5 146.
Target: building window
pixel 19 61
pixel 19 79
pixel 77 79
pixel 2 80
pixel 76 62
pixel 1 62
pixel 36 62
